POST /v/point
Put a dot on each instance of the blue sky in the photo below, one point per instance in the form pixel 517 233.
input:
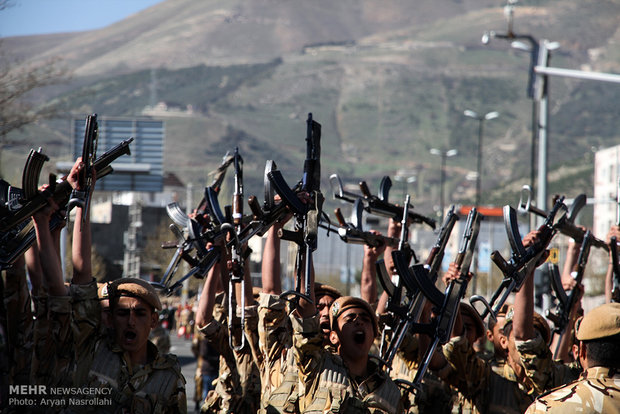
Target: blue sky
pixel 28 17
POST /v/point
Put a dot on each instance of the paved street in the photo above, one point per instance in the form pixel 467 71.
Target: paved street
pixel 182 349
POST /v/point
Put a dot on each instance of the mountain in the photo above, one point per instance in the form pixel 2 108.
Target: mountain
pixel 387 80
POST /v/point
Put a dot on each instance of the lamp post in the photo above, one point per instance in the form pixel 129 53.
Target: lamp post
pixel 481 118
pixel 405 177
pixel 443 155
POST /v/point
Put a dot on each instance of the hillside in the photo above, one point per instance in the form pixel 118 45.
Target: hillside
pixel 388 81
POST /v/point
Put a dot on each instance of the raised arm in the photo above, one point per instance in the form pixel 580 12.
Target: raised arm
pixel 369 272
pixel 82 243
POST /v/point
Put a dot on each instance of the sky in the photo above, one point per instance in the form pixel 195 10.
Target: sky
pixel 29 17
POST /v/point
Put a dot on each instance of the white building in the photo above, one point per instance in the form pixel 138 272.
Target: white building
pixel 606 175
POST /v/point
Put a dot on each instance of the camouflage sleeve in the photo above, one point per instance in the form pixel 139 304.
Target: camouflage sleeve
pixel 20 323
pixel 465 371
pixel 53 347
pixel 538 362
pixel 86 317
pixel 308 350
pixel 274 330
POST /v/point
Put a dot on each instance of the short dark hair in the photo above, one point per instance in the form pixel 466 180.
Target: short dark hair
pixel 604 352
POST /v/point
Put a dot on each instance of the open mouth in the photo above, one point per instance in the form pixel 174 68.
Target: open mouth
pixel 359 337
pixel 325 326
pixel 130 336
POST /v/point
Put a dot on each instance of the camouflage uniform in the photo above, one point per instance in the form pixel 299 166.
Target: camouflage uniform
pixel 276 362
pixel 481 388
pixel 237 388
pixel 325 384
pixel 155 387
pixel 161 339
pixel 19 324
pixel 434 396
pixel 598 391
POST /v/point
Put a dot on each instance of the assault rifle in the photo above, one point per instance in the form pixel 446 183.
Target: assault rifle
pixel 61 191
pixel 560 317
pixel 352 232
pixel 306 215
pixel 427 271
pixel 440 328
pixel 17 231
pixel 192 234
pixel 81 198
pixel 235 265
pixel 566 223
pixel 378 205
pixel 522 260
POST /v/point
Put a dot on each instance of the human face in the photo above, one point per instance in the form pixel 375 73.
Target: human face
pixel 322 306
pixel 133 320
pixel 355 333
pixel 470 328
pixel 495 336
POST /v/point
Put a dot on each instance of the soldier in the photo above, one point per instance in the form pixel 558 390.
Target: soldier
pixel 279 376
pixel 238 386
pixel 598 389
pixel 349 380
pixel 127 366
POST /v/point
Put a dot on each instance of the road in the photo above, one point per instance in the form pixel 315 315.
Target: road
pixel 182 349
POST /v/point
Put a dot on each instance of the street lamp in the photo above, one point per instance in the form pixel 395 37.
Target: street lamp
pixel 443 155
pixel 405 177
pixel 481 118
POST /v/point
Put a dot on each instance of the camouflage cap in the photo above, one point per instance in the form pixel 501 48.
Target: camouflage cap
pixel 600 322
pixel 469 310
pixel 347 302
pixel 321 289
pixel 137 288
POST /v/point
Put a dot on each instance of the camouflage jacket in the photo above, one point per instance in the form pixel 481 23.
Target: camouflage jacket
pixel 597 391
pixel 276 362
pixel 156 387
pixel 481 388
pixel 325 385
pixel 19 325
pixel 237 388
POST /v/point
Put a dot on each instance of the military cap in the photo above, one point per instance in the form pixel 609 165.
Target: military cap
pixel 347 302
pixel 540 324
pixel 321 289
pixel 469 310
pixel 136 288
pixel 600 322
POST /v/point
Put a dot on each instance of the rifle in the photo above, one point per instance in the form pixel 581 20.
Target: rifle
pixel 81 198
pixel 522 260
pixel 61 191
pixel 448 303
pixel 429 268
pixel 566 224
pixel 306 215
pixel 378 205
pixel 560 317
pixel 352 232
pixel 17 232
pixel 200 230
pixel 235 264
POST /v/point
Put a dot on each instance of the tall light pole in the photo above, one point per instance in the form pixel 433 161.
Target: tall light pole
pixel 481 118
pixel 406 177
pixel 443 155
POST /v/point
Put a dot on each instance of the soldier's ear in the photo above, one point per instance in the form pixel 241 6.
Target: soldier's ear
pixel 503 342
pixel 154 319
pixel 333 338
